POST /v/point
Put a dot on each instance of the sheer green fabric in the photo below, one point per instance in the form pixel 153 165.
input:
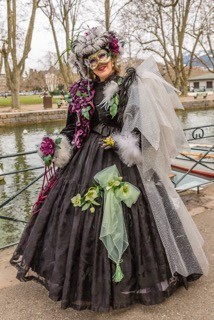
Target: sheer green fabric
pixel 113 231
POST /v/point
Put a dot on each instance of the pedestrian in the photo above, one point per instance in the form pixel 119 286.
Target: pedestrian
pixel 108 229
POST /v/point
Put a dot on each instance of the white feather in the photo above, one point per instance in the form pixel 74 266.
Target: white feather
pixel 63 155
pixel 78 49
pixel 100 43
pixel 128 148
pixel 89 48
pixel 81 39
pixel 98 31
pixel 109 91
pixel 72 58
pixel 96 47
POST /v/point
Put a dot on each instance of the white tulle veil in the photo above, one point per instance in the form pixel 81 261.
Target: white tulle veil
pixel 150 110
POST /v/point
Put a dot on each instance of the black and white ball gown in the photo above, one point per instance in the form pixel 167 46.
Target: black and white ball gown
pixel 61 242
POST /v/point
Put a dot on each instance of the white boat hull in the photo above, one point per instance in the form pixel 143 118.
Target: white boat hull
pixel 199 169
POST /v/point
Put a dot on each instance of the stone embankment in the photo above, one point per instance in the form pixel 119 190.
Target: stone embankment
pixel 198 104
pixel 31 117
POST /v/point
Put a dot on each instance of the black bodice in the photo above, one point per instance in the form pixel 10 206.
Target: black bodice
pixel 101 115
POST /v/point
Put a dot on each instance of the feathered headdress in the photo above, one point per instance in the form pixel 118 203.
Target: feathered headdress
pixel 93 40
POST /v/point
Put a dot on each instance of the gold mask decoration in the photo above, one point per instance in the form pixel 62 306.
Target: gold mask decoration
pixel 101 56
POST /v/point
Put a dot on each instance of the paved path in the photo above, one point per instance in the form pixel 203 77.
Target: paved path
pixel 29 301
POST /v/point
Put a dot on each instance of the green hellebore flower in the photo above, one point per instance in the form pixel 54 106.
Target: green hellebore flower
pixel 110 185
pixel 76 200
pixel 91 194
pixel 113 183
pixel 124 191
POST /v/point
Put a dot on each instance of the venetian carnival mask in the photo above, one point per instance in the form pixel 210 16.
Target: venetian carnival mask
pixel 101 56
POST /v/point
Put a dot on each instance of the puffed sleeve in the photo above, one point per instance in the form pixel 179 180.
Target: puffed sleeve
pixel 69 129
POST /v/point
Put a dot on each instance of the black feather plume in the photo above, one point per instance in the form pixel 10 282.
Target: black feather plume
pixel 129 78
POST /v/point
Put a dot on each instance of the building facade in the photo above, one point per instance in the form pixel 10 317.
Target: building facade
pixel 203 82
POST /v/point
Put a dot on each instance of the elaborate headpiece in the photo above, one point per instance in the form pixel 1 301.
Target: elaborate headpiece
pixel 93 40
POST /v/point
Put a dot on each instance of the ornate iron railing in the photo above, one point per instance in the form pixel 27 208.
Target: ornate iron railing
pixel 197 134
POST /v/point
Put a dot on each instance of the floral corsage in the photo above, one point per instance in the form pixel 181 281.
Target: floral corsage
pixel 55 151
pixel 48 148
pixel 88 200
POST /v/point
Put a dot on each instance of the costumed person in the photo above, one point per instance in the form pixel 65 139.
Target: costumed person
pixel 109 229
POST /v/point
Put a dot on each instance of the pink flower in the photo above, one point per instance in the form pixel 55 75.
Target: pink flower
pixel 114 44
pixel 81 99
pixel 47 147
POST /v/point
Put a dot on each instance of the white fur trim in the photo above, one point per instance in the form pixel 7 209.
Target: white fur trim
pixel 128 148
pixel 63 155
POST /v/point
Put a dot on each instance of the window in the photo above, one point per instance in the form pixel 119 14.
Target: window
pixel 196 85
pixel 209 84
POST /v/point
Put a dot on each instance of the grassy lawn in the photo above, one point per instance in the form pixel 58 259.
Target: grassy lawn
pixel 24 100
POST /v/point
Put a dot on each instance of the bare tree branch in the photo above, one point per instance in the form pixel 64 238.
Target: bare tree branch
pixel 13 68
pixel 63 13
pixel 166 27
pixel 160 3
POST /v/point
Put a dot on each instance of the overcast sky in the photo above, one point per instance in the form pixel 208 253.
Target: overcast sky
pixel 42 42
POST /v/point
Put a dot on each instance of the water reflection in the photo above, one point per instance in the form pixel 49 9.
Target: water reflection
pixel 195 118
pixel 199 118
pixel 13 140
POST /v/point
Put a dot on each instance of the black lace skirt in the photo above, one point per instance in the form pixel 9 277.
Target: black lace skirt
pixel 60 246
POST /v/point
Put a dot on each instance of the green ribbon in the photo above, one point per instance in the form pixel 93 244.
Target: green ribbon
pixel 113 231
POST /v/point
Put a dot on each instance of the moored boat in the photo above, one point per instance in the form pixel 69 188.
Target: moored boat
pixel 184 182
pixel 200 161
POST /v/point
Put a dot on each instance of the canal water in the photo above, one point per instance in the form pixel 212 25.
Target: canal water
pixel 14 140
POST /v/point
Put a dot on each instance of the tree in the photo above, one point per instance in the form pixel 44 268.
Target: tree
pixel 107 12
pixel 1 62
pixel 204 55
pixel 2 35
pixel 15 66
pixel 62 14
pixel 34 81
pixel 48 60
pixel 166 28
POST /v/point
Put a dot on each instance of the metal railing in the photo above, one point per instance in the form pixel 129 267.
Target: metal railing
pixel 195 134
pixel 4 203
pixel 198 133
